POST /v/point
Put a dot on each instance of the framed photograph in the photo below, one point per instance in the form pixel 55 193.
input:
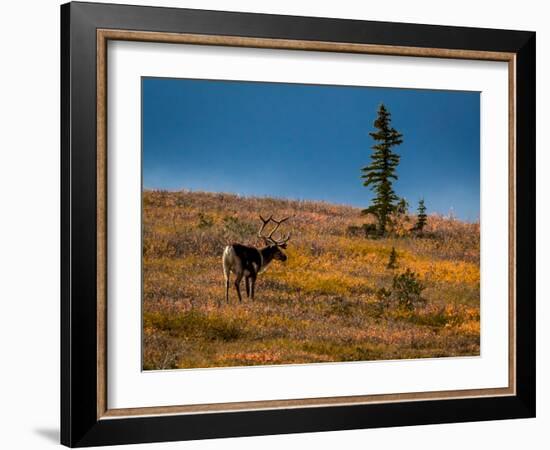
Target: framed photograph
pixel 276 224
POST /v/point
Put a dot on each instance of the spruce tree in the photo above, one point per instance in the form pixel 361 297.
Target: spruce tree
pixel 381 172
pixel 402 207
pixel 392 263
pixel 421 218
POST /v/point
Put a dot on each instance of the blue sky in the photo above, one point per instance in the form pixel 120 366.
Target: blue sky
pixel 308 141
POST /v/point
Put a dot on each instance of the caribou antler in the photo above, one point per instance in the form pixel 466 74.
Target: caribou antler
pixel 265 222
pixel 270 239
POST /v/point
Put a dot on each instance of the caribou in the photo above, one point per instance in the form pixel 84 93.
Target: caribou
pixel 248 261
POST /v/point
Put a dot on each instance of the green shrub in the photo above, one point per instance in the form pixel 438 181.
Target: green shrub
pixel 370 230
pixel 367 230
pixel 354 230
pixel 406 292
pixel 407 289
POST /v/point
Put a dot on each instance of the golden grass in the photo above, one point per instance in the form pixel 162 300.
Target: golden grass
pixel 319 306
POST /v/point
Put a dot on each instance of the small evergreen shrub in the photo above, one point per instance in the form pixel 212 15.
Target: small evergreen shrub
pixel 406 292
pixel 370 230
pixel 392 263
pixel 407 289
pixel 367 230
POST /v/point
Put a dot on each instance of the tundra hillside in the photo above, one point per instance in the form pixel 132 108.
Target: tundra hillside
pixel 327 302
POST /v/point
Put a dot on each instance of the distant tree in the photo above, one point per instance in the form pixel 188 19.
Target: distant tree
pixel 381 172
pixel 392 263
pixel 402 207
pixel 421 218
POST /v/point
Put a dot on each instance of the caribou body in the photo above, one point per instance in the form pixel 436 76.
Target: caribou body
pixel 248 261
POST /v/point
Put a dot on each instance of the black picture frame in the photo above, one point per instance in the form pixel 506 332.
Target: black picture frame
pixel 79 351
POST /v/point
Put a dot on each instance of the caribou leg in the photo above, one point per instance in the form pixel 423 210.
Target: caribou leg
pixel 247 286
pixel 238 286
pixel 227 288
pixel 252 284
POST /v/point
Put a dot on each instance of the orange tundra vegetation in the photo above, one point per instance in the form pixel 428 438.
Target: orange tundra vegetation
pixel 323 304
